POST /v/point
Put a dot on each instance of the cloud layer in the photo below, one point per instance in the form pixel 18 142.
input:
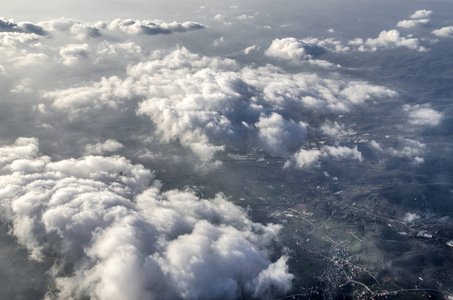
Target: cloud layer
pixel 115 237
pixel 207 103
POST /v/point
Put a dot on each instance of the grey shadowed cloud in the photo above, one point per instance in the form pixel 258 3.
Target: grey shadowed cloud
pixel 152 27
pixel 23 27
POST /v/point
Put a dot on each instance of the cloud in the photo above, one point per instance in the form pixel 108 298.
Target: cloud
pixel 7 25
pixel 61 24
pixel 114 236
pixel 330 44
pixel 444 31
pixel 219 41
pixel 220 17
pixel 410 217
pixel 407 148
pixel 310 48
pixel 312 157
pixel 252 49
pixel 292 48
pixel 278 134
pixel 101 148
pixel 30 59
pixel 71 54
pixel 245 17
pixel 335 130
pixel 423 115
pixel 118 54
pixel 152 27
pixel 388 40
pixel 15 40
pixel 109 92
pixel 305 50
pixel 208 104
pixel 412 23
pixel 83 31
pixel 421 14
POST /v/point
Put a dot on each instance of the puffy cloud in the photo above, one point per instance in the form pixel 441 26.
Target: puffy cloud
pixel 342 152
pixel 17 39
pixel 152 27
pixel 109 92
pixel 407 148
pixel 83 31
pixel 412 23
pixel 7 25
pixel 245 17
pixel 220 17
pixel 292 48
pixel 101 148
pixel 388 40
pixel 421 14
pixel 30 59
pixel 219 41
pixel 309 48
pixel 335 130
pixel 22 148
pixel 116 237
pixel 305 158
pixel 422 115
pixel 61 24
pixel 410 217
pixel 328 43
pixel 444 31
pixel 312 157
pixel 278 134
pixel 119 53
pixel 79 30
pixel 251 49
pixel 207 103
pixel 71 54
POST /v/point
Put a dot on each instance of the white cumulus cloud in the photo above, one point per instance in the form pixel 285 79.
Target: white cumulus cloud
pixel 407 148
pixel 115 236
pixel 444 31
pixel 412 23
pixel 421 14
pixel 313 157
pixel 292 48
pixel 208 103
pixel 422 115
pixel 388 40
pixel 71 54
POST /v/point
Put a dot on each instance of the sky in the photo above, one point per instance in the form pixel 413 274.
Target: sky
pixel 114 114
